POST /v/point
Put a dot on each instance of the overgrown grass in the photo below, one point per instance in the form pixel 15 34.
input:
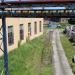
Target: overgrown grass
pixel 69 50
pixel 29 59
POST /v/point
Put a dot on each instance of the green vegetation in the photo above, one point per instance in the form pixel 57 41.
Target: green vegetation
pixel 69 50
pixel 32 58
pixel 63 25
pixel 71 21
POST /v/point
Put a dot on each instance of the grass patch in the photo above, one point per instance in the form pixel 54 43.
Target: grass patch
pixel 46 70
pixel 29 59
pixel 69 50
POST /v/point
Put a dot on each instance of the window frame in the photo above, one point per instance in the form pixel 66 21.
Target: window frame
pixel 21 31
pixel 35 27
pixel 40 26
pixel 29 29
pixel 10 36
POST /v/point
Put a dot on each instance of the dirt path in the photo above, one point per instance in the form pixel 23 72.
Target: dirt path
pixel 60 61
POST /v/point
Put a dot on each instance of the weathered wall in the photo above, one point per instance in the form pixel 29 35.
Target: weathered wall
pixel 15 22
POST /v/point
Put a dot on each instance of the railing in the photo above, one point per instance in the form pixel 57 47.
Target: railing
pixel 38 13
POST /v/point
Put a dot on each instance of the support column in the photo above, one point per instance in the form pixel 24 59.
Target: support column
pixel 5 45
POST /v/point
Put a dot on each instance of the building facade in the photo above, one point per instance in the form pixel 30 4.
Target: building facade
pixel 21 29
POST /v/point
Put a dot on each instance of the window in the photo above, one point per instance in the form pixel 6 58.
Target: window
pixel 35 28
pixel 38 11
pixel 10 35
pixel 29 28
pixel 31 11
pixel 45 11
pixel 21 32
pixel 40 26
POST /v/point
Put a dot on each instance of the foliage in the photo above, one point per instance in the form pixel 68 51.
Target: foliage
pixel 71 21
pixel 27 59
pixel 69 50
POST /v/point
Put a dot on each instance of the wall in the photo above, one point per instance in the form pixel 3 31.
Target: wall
pixel 16 22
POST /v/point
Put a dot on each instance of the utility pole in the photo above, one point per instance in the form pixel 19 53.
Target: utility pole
pixel 5 43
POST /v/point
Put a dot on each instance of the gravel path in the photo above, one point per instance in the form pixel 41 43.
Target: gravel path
pixel 60 61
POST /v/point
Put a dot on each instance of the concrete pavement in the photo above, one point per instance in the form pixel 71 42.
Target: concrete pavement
pixel 60 61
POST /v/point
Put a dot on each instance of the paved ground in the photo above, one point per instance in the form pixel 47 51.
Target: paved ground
pixel 60 61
